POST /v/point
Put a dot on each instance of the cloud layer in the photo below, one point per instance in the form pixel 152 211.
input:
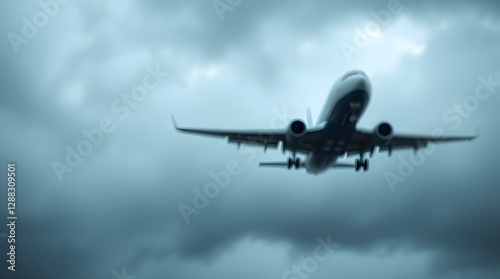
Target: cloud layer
pixel 257 66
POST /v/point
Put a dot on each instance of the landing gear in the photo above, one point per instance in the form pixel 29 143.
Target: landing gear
pixel 360 163
pixel 294 162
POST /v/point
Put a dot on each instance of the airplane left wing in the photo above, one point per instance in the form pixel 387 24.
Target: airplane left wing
pixel 362 142
pixel 265 137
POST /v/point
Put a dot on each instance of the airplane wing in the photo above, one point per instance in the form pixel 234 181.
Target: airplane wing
pixel 362 142
pixel 264 137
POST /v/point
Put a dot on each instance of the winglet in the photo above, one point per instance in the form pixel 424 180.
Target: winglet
pixel 174 122
pixel 477 133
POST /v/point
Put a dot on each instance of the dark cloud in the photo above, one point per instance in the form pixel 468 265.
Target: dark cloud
pixel 264 63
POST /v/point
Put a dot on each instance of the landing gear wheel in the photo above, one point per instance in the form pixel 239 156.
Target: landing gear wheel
pixel 359 163
pixel 294 162
pixel 297 163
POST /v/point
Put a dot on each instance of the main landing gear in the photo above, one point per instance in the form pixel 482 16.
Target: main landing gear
pixel 293 162
pixel 361 164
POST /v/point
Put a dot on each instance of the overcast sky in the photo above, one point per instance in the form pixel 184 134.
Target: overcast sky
pixel 114 71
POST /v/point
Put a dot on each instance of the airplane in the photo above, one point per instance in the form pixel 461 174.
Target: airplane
pixel 335 134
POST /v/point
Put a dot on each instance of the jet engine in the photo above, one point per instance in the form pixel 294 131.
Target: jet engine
pixel 296 130
pixel 382 134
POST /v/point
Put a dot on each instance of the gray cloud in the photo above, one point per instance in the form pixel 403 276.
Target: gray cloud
pixel 119 208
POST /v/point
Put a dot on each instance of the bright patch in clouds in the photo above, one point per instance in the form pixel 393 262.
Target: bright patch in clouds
pixel 207 72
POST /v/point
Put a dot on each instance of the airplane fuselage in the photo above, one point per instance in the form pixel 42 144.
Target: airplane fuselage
pixel 345 104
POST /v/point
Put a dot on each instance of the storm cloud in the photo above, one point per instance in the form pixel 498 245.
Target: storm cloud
pixel 237 65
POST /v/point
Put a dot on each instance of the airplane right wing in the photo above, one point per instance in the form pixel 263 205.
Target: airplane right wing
pixel 362 142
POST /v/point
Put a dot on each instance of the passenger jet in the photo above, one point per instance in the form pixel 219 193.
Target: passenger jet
pixel 335 134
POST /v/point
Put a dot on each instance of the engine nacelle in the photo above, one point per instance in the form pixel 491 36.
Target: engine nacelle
pixel 382 134
pixel 296 130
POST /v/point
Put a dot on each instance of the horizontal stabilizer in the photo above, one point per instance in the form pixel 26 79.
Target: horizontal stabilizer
pixel 342 165
pixel 288 165
pixel 273 164
pixel 292 163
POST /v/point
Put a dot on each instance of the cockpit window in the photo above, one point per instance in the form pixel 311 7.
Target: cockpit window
pixel 353 73
pixel 348 75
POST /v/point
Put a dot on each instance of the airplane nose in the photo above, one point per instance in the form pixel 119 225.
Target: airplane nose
pixel 363 84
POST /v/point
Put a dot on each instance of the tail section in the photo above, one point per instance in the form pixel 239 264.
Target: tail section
pixel 310 122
